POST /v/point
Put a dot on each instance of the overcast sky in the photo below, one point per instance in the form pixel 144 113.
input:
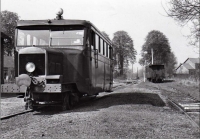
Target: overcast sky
pixel 137 17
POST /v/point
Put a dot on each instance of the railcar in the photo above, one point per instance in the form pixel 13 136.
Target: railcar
pixel 57 61
pixel 155 73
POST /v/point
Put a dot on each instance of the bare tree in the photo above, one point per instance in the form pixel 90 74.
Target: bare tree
pixel 184 12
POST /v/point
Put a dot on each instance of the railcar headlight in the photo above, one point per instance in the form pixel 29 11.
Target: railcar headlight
pixel 30 67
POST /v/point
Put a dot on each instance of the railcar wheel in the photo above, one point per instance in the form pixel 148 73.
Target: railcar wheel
pixel 32 105
pixel 66 104
pixel 93 97
pixel 74 99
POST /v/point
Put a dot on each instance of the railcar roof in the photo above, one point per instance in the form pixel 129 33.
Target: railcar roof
pixel 52 22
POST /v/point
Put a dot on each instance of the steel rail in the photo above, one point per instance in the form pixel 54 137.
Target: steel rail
pixel 16 114
pixel 177 106
pixel 185 113
pixel 27 111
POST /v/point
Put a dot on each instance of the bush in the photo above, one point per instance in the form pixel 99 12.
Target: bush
pixel 191 81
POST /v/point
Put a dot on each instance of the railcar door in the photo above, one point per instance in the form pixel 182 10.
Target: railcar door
pixel 93 60
pixel 97 63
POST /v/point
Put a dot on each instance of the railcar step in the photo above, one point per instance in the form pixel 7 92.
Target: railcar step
pixel 20 96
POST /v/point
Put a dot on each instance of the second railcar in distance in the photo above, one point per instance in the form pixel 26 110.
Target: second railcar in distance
pixel 155 73
pixel 60 60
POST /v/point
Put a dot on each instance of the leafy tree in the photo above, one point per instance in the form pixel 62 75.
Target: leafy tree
pixel 184 12
pixel 123 50
pixel 171 64
pixel 159 43
pixel 8 24
pixel 106 35
pixel 161 51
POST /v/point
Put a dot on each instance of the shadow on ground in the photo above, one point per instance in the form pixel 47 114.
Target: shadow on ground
pixel 165 81
pixel 119 99
pixel 94 104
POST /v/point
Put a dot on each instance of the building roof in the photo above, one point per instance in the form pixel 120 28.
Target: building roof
pixel 188 66
pixel 8 62
pixel 193 60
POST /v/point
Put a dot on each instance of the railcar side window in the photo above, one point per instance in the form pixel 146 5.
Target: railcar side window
pixel 32 37
pixel 109 52
pixel 106 50
pixel 97 41
pixel 101 44
pixel 93 40
pixel 105 47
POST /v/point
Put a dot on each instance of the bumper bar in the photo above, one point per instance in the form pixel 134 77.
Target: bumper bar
pixel 13 88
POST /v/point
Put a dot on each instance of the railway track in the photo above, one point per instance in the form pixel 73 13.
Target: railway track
pixel 174 104
pixel 16 114
pixel 126 83
pixel 177 106
pixel 27 111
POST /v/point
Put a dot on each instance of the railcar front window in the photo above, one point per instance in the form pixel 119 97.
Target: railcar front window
pixel 33 37
pixel 66 37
